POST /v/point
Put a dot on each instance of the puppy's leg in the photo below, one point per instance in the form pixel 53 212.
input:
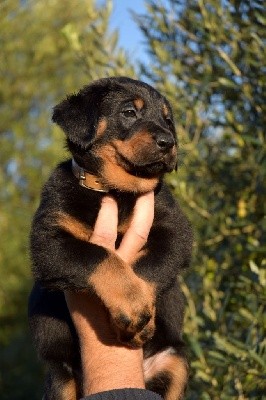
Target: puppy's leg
pixel 166 373
pixel 129 299
pixel 61 384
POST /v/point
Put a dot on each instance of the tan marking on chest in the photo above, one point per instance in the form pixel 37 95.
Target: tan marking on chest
pixel 71 225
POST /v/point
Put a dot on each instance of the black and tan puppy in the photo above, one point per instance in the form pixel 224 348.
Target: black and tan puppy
pixel 122 138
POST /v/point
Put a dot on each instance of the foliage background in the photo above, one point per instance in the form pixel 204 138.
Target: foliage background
pixel 208 58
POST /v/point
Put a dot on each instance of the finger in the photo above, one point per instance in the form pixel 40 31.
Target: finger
pixel 138 231
pixel 105 229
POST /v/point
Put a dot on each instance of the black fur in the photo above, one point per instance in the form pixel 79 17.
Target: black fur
pixel 61 262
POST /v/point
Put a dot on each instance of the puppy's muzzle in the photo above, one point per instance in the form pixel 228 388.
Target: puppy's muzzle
pixel 164 141
pixel 162 137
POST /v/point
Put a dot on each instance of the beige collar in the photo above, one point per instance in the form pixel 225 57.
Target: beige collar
pixel 86 179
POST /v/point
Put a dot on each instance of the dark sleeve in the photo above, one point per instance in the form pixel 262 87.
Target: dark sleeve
pixel 124 394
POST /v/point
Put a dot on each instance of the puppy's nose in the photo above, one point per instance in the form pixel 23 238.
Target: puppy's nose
pixel 164 142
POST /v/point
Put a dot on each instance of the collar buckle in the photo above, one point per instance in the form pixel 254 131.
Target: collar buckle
pixel 86 179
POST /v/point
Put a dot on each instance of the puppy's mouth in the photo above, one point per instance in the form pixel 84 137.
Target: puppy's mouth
pixel 148 169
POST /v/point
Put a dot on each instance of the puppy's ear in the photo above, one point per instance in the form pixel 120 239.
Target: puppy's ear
pixel 78 115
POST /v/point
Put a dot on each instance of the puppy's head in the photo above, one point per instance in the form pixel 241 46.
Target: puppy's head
pixel 121 130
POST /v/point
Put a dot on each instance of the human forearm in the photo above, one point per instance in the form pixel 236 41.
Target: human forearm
pixel 105 364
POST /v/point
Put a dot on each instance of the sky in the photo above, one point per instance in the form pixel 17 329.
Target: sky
pixel 130 36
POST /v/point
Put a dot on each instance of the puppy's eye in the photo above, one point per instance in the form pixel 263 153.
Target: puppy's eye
pixel 130 113
pixel 169 122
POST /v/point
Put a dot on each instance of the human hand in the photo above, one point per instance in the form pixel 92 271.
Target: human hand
pixel 137 234
pixel 106 364
pixel 129 299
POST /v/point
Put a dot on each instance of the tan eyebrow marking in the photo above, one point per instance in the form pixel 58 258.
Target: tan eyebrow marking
pixel 165 110
pixel 102 125
pixel 139 103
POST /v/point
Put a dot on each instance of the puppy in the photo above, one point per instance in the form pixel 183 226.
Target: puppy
pixel 122 138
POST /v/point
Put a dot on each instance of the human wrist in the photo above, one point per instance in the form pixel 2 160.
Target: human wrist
pixel 106 368
pixel 106 364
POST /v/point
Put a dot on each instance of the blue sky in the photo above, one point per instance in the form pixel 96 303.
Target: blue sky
pixel 130 36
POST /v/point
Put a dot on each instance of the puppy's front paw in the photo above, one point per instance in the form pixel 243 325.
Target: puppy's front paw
pixel 133 319
pixel 129 299
pixel 138 339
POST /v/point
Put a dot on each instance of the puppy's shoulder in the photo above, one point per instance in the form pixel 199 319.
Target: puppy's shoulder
pixel 165 202
pixel 169 211
pixel 63 188
pixel 60 178
pixel 63 196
